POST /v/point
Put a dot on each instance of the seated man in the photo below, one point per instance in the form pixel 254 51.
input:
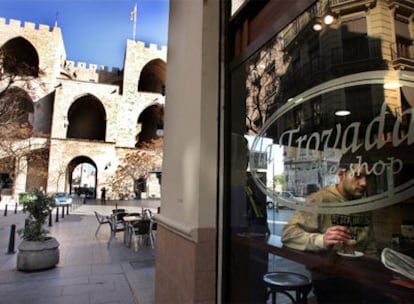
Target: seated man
pixel 328 232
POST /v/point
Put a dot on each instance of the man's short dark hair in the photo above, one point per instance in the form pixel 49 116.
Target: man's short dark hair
pixel 346 160
pixel 349 158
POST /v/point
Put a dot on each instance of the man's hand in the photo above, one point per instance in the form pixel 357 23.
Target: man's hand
pixel 336 235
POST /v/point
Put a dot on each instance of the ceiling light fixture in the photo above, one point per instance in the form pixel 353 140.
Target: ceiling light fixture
pixel 317 26
pixel 342 113
pixel 328 19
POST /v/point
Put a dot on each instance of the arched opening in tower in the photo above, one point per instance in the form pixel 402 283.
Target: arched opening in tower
pixel 151 123
pixel 152 78
pixel 87 119
pixel 82 173
pixel 19 57
pixel 15 109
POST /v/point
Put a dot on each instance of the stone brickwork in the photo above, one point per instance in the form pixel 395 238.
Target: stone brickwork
pixel 62 83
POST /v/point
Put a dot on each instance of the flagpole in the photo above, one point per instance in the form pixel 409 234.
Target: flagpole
pixel 135 22
pixel 56 19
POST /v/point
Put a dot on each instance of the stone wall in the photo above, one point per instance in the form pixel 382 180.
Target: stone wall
pixel 63 82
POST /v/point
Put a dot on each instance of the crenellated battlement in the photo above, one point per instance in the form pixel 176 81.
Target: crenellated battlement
pixel 28 27
pixel 152 48
pixel 49 45
pixel 91 67
pixel 92 73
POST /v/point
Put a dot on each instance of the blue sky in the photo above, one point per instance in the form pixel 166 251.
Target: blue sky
pixel 95 31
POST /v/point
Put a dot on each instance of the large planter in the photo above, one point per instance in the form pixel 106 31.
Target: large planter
pixel 39 255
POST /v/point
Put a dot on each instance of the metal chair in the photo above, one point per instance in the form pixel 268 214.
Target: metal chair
pixel 283 282
pixel 115 211
pixel 141 232
pixel 129 229
pixel 102 219
pixel 120 216
pixel 116 226
pixel 153 227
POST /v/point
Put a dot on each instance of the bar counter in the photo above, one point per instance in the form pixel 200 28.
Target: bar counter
pixel 368 272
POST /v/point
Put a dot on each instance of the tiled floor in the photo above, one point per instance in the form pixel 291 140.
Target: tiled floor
pixel 277 263
pixel 88 272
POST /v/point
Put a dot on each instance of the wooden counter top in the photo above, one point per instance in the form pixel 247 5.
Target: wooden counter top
pixel 363 270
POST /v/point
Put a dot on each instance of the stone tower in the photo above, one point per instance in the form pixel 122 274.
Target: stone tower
pixel 86 119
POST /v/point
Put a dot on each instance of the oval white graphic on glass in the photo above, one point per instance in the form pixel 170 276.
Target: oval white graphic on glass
pixel 361 123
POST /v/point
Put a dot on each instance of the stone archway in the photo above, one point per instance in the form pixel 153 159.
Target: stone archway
pixel 153 77
pixel 151 123
pixel 82 176
pixel 87 119
pixel 20 57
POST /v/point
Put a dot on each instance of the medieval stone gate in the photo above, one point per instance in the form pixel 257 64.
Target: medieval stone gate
pixel 79 114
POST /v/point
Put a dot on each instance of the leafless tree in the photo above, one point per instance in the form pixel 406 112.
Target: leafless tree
pixel 137 165
pixel 16 132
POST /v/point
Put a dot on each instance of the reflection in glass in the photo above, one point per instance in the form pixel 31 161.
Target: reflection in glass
pixel 286 99
pixel 379 125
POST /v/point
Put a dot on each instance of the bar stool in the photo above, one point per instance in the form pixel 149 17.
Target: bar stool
pixel 288 281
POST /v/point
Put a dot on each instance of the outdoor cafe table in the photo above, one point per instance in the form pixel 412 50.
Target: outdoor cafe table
pixel 368 272
pixel 129 220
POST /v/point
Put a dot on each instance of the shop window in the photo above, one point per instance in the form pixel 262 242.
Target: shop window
pixel 299 147
pixel 355 48
pixel 402 27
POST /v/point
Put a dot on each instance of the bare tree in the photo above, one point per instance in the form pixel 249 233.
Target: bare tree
pixel 17 145
pixel 137 165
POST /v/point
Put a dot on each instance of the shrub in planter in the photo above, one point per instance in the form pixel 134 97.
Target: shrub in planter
pixel 37 251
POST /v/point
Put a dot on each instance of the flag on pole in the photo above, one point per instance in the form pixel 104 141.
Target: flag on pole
pixel 133 17
pixel 133 14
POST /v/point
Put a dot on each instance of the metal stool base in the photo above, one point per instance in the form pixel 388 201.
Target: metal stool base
pixel 283 282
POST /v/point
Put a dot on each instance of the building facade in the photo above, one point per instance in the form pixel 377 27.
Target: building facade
pixel 81 114
pixel 275 70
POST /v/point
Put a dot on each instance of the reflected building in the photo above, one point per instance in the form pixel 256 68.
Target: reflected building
pixel 361 36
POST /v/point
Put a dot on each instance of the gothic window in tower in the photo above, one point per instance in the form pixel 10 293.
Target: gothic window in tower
pixel 19 57
pixel 87 119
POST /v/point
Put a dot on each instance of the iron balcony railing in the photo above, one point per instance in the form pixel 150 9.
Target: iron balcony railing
pixel 350 3
pixel 341 2
pixel 354 52
pixel 402 51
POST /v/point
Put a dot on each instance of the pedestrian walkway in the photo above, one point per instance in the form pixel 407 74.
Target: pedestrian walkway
pixel 88 272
